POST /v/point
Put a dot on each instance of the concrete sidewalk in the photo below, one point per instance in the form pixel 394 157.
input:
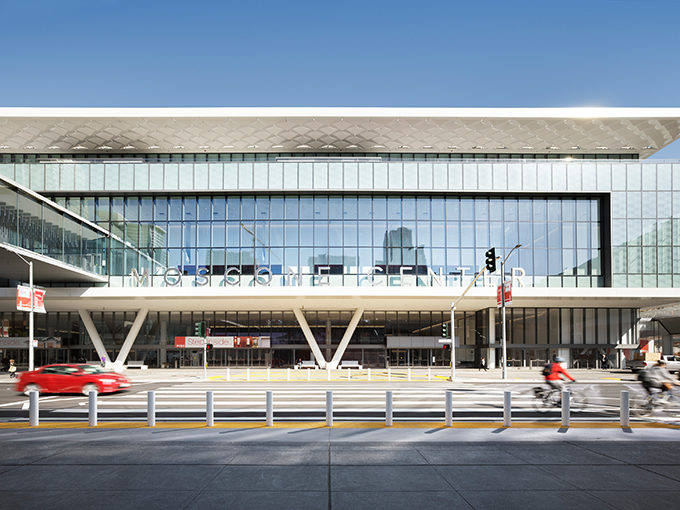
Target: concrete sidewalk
pixel 180 469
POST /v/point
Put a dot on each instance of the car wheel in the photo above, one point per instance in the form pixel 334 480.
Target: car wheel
pixel 31 387
pixel 90 387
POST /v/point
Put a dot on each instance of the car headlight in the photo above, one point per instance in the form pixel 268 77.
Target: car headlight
pixel 108 381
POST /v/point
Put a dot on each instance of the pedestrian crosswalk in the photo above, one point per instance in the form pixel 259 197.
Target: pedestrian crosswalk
pixel 309 400
pixel 306 400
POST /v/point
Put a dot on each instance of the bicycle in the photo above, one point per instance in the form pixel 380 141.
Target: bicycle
pixel 659 400
pixel 547 399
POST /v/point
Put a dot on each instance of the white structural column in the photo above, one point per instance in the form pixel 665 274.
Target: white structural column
pixel 313 345
pixel 333 364
pixel 94 335
pixel 491 352
pixel 131 337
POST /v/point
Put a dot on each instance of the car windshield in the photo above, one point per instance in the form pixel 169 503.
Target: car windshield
pixel 94 369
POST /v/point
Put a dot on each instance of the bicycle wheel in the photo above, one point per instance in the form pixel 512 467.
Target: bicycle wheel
pixel 578 401
pixel 643 409
pixel 544 401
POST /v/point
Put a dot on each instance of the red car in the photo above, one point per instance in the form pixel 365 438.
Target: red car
pixel 71 379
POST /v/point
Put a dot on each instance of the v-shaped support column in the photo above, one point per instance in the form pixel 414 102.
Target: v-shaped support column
pixel 131 337
pixel 333 364
pixel 127 344
pixel 309 336
pixel 94 335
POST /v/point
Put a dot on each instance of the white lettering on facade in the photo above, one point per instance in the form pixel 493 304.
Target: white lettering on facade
pixel 201 278
pixel 263 276
pixel 232 276
pixel 172 277
pixel 462 270
pixel 261 271
pixel 518 274
pixel 140 280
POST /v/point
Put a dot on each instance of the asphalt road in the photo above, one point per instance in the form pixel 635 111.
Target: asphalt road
pixel 473 400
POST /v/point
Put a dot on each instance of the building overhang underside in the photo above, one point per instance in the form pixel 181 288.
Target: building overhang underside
pixel 635 131
pixel 45 269
pixel 319 298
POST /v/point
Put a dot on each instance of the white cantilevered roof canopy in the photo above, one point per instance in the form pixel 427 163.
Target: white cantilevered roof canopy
pixel 632 131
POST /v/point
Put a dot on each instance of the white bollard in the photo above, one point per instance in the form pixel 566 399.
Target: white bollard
pixel 309 374
pixel 565 408
pixel 329 409
pixel 209 409
pixel 33 409
pixel 409 373
pixel 507 409
pixel 429 374
pixel 348 374
pixel 388 408
pixel 328 374
pixel 288 374
pixel 389 373
pixel 151 409
pixel 228 374
pixel 268 374
pixel 625 409
pixel 270 409
pixel 449 408
pixel 92 408
pixel 369 374
pixel 248 374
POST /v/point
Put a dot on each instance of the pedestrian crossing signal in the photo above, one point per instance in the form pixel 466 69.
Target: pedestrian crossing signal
pixel 208 347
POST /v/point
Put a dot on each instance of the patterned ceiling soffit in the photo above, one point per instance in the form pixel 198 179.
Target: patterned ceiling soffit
pixel 433 130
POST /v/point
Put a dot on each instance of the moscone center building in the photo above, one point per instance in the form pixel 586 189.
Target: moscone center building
pixel 336 234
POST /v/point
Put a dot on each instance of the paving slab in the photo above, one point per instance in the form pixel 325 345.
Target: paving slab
pixel 535 499
pixel 83 478
pixel 270 478
pixel 556 453
pixel 637 452
pixel 102 499
pixel 468 454
pixel 282 455
pixel 634 500
pixel 450 500
pixel 376 455
pixel 612 477
pixel 386 478
pixel 260 500
pixel 501 478
pixel 143 454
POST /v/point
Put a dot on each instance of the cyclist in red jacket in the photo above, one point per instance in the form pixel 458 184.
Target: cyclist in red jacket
pixel 553 373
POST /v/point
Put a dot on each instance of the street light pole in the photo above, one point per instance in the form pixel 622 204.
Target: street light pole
pixel 505 345
pixel 453 342
pixel 504 357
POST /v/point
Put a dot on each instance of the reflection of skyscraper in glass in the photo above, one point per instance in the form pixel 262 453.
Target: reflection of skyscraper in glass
pixel 399 248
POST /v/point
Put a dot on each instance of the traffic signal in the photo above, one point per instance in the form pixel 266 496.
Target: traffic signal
pixel 199 329
pixel 490 260
pixel 208 347
pixel 446 347
pixel 445 330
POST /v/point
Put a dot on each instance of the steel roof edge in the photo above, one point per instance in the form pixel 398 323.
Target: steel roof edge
pixel 340 112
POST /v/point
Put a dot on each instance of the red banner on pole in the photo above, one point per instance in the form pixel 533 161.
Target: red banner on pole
pixel 24 299
pixel 508 295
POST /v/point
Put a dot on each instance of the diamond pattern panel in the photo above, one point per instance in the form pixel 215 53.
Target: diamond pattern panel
pixel 354 134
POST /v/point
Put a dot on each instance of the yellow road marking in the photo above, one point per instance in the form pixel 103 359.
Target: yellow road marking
pixel 339 425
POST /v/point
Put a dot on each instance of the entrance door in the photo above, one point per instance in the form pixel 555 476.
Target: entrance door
pixel 398 357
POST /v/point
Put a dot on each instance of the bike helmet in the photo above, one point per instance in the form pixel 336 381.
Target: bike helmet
pixel 559 360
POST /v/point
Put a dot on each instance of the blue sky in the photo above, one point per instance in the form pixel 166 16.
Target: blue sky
pixel 517 53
